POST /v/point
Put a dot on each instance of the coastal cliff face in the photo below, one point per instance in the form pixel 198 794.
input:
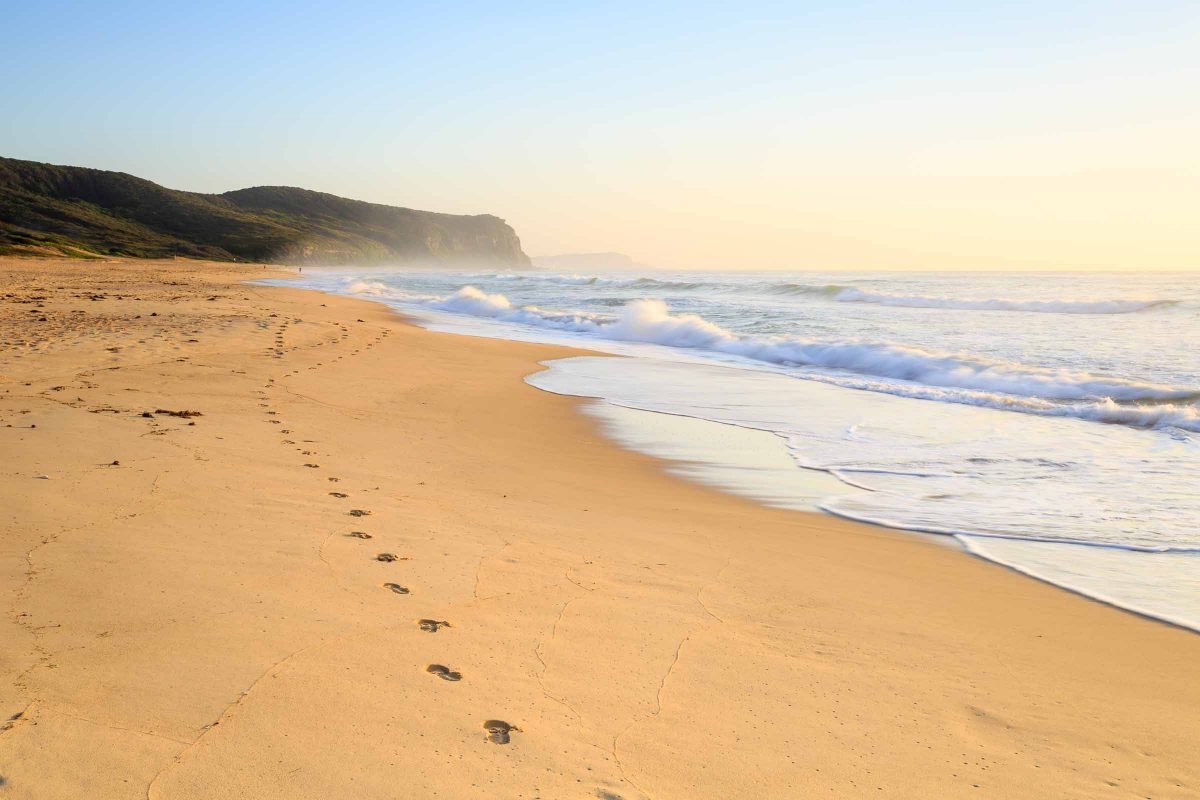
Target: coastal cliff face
pixel 91 213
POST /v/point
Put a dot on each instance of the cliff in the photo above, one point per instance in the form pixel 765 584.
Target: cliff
pixel 86 213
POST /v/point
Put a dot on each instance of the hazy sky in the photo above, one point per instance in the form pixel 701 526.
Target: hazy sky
pixel 750 134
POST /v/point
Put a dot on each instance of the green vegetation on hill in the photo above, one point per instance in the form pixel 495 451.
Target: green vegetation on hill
pixel 89 213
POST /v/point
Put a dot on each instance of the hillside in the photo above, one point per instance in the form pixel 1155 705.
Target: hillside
pixel 91 213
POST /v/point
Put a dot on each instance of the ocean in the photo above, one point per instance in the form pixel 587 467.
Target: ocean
pixel 1047 422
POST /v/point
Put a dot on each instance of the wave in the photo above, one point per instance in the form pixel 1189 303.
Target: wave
pixel 1181 415
pixel 385 292
pixel 827 290
pixel 596 280
pixel 853 294
pixel 840 293
pixel 565 280
pixel 879 367
pixel 368 287
pixel 852 508
pixel 850 294
pixel 469 300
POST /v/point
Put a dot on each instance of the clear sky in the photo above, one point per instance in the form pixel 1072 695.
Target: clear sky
pixel 686 134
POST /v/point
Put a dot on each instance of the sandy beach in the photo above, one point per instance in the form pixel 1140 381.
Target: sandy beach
pixel 262 542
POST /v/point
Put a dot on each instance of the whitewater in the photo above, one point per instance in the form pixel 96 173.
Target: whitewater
pixel 1047 422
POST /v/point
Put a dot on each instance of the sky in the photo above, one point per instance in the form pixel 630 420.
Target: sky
pixel 758 135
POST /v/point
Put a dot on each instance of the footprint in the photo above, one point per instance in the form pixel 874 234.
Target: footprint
pixel 397 588
pixel 358 512
pixel 338 494
pixel 432 625
pixel 359 534
pixel 498 731
pixel 445 673
pixel 313 466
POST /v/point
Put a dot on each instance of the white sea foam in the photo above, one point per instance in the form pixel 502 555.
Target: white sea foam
pixel 844 294
pixel 367 287
pixel 905 371
pixel 469 300
pixel 382 291
pixel 606 281
pixel 963 472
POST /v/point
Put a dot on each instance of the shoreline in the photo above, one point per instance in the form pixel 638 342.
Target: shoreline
pixel 947 539
pixel 1156 583
pixel 649 636
pixel 944 539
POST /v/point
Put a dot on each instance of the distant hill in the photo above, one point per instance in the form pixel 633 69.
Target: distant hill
pixel 586 261
pixel 89 213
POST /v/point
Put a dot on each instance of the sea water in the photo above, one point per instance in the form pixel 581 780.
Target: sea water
pixel 1049 422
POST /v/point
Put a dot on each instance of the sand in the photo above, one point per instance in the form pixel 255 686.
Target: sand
pixel 193 609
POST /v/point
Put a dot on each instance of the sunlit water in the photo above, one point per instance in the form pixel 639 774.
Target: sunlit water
pixel 1048 422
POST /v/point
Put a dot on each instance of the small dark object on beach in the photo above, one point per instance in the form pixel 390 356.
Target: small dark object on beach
pixel 359 534
pixel 445 673
pixel 432 625
pixel 498 731
pixel 397 588
pixel 183 414
pixel 147 414
pixel 338 494
pixel 358 512
pixel 387 557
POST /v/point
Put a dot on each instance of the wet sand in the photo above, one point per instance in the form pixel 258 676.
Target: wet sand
pixel 375 564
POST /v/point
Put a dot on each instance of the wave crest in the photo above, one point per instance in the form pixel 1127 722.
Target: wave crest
pixel 880 367
pixel 850 294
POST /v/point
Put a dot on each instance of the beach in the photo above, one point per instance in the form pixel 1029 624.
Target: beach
pixel 265 542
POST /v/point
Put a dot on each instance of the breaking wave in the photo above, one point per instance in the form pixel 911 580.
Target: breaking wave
pixel 879 367
pixel 847 294
pixel 596 280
